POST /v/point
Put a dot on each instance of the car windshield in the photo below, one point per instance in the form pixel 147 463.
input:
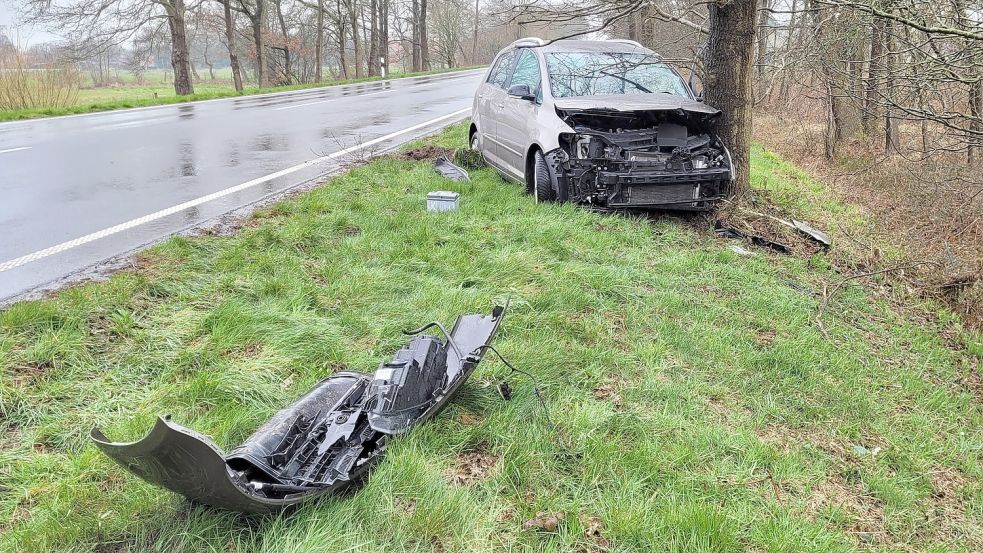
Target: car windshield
pixel 589 73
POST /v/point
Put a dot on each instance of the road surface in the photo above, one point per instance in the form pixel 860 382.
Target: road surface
pixel 78 190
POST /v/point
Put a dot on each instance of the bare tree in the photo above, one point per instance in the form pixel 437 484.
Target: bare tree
pixel 93 27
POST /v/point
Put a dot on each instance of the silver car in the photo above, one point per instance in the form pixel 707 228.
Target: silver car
pixel 603 123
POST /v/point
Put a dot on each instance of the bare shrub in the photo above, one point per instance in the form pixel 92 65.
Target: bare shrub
pixel 25 87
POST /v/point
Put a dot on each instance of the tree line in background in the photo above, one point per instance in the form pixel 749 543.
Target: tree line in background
pixel 266 42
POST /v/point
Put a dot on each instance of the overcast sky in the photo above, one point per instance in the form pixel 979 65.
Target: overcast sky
pixel 22 36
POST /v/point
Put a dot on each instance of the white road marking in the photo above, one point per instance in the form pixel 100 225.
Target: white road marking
pixel 299 91
pixel 15 149
pixel 40 254
pixel 336 98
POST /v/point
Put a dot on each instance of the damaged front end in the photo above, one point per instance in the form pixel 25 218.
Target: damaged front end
pixel 323 442
pixel 653 159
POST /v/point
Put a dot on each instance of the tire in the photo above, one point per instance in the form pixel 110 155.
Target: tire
pixel 474 141
pixel 542 183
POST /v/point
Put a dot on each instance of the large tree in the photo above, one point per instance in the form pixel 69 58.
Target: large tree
pixel 91 28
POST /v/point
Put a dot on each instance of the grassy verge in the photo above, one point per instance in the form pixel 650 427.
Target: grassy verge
pixel 137 96
pixel 698 407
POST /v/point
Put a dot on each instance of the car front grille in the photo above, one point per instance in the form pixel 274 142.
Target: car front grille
pixel 663 194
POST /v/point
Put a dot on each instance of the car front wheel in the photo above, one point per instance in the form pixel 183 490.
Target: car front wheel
pixel 542 184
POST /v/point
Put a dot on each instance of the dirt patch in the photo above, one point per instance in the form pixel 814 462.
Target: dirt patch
pixel 865 512
pixel 27 373
pixel 764 338
pixel 428 151
pixel 467 418
pixel 608 391
pixel 352 230
pixel 404 505
pixel 544 522
pixel 473 466
pixel 594 535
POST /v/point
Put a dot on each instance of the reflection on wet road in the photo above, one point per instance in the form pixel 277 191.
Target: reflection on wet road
pixel 70 177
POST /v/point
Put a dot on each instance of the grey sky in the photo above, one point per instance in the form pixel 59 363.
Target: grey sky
pixel 21 35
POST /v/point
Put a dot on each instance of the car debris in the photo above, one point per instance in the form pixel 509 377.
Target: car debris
pixel 322 443
pixel 814 233
pixel 442 200
pixel 727 232
pixel 448 169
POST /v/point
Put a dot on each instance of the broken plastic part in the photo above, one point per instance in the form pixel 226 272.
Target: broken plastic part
pixel 321 443
pixel 444 166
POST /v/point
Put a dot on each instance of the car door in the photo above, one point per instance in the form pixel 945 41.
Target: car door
pixel 518 114
pixel 491 95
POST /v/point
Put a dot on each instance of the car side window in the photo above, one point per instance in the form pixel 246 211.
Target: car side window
pixel 499 75
pixel 527 72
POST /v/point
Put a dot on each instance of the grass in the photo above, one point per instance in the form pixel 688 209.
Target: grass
pixel 133 95
pixel 698 408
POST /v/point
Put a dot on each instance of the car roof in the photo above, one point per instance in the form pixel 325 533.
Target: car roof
pixel 606 46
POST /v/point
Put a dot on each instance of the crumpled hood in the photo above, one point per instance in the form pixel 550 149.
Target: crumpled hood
pixel 655 101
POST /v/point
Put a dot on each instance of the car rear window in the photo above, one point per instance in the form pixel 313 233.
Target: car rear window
pixel 590 73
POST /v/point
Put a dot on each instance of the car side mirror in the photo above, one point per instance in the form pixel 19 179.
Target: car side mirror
pixel 522 92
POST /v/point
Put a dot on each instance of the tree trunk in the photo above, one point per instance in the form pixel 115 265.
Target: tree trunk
pixel 180 58
pixel 318 53
pixel 287 77
pixel 373 38
pixel 890 123
pixel 872 99
pixel 976 124
pixel 342 45
pixel 415 35
pixel 729 57
pixel 474 37
pixel 353 17
pixel 764 17
pixel 384 35
pixel 230 41
pixel 424 38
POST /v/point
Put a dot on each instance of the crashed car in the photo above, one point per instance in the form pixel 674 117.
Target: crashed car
pixel 606 124
pixel 325 441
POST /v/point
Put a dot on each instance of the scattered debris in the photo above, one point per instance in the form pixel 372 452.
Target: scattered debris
pixel 444 166
pixel 863 451
pixel 739 250
pixel 727 232
pixel 547 522
pixel 815 234
pixel 325 441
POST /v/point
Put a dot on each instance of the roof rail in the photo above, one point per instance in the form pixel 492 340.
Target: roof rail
pixel 529 41
pixel 626 41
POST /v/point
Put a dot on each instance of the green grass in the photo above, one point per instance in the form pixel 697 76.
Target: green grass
pixel 133 95
pixel 698 408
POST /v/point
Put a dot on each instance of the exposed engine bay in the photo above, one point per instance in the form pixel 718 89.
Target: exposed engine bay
pixel 323 442
pixel 640 159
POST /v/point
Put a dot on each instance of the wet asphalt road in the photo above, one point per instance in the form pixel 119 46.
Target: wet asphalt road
pixel 78 190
